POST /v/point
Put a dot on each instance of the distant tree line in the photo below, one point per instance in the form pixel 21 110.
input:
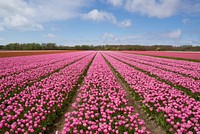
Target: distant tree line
pixel 29 46
pixel 53 46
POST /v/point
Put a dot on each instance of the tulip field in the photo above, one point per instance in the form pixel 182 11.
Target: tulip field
pixel 94 91
pixel 170 54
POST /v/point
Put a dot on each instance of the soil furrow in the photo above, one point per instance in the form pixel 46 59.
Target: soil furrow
pixel 59 121
pixel 150 123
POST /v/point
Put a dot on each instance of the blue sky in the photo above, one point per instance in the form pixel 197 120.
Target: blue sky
pixel 94 22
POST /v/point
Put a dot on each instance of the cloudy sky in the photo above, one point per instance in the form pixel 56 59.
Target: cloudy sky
pixel 72 22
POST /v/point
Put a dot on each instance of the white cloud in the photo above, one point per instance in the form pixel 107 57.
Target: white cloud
pixel 115 2
pixel 190 7
pixel 186 21
pixel 51 10
pixel 153 8
pixel 97 15
pixel 125 23
pixel 174 34
pixel 50 35
pixel 109 36
pixel 14 7
pixel 1 39
pixel 158 8
pixel 20 23
pixel 29 15
pixel 16 14
pixel 170 37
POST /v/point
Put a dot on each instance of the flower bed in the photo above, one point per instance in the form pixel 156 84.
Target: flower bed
pixel 36 106
pixel 173 109
pixel 101 105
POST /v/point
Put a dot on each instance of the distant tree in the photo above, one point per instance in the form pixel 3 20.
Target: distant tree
pixel 1 47
pixel 53 46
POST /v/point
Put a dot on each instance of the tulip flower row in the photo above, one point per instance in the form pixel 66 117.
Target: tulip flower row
pixel 177 63
pixel 11 62
pixel 16 83
pixel 14 65
pixel 180 112
pixel 176 79
pixel 34 107
pixel 101 105
pixel 194 73
pixel 172 54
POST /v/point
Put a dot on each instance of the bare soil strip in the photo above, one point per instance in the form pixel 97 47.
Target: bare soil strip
pixel 166 57
pixel 150 123
pixel 60 120
pixel 196 96
pixel 36 52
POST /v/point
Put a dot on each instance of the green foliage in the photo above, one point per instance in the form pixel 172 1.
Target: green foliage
pixel 30 46
pixel 53 46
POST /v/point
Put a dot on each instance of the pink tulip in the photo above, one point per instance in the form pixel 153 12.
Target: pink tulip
pixel 105 93
pixel 164 98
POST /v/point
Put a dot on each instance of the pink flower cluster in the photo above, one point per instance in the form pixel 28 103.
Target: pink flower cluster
pixel 101 105
pixel 172 62
pixel 27 111
pixel 14 83
pixel 186 55
pixel 191 69
pixel 177 79
pixel 13 65
pixel 180 111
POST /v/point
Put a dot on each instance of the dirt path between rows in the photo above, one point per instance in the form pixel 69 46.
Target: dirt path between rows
pixel 150 124
pixel 16 53
pixel 60 122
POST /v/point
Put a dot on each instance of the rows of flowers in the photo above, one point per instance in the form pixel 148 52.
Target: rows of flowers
pixel 177 79
pixel 33 108
pixel 10 62
pixel 101 105
pixel 153 62
pixel 182 55
pixel 14 65
pixel 180 112
pixel 16 83
pixel 172 62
